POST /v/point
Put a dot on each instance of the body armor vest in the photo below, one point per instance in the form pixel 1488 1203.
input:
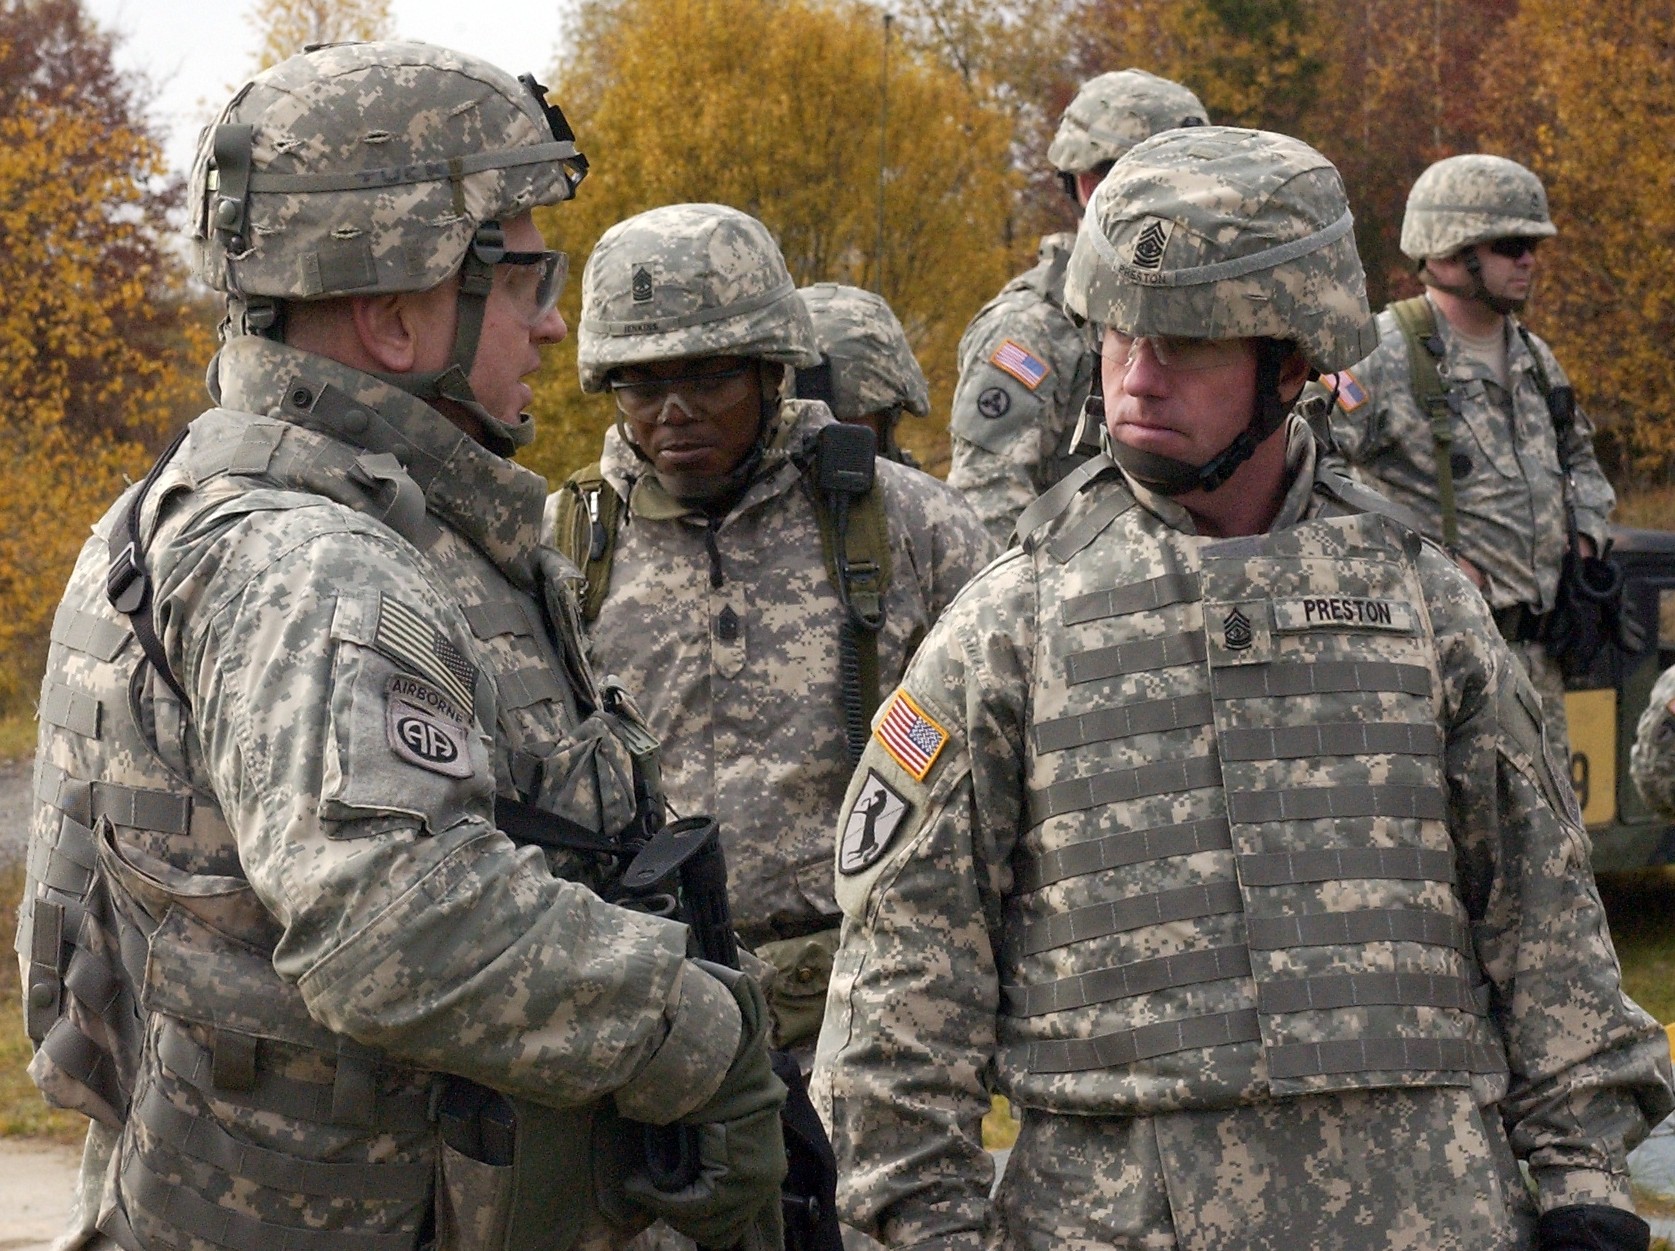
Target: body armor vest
pixel 1238 880
pixel 152 993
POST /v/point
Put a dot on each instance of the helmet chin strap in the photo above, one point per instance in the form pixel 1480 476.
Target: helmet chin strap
pixel 1476 291
pixel 453 381
pixel 1168 476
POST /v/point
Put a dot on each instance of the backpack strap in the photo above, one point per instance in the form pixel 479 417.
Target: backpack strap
pixel 1418 323
pixel 128 582
pixel 587 516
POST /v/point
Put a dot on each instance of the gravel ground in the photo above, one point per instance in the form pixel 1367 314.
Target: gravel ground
pixel 15 802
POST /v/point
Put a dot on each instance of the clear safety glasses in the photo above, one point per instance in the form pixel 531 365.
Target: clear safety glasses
pixel 537 281
pixel 710 392
pixel 1176 353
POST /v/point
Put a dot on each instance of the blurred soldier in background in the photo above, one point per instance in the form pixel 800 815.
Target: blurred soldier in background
pixel 1461 415
pixel 754 572
pixel 1215 823
pixel 1025 367
pixel 867 371
pixel 277 943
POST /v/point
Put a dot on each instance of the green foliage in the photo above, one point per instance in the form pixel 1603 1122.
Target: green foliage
pixel 784 123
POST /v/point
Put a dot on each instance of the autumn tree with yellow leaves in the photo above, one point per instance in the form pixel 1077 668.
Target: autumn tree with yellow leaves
pixel 776 107
pixel 287 27
pixel 102 352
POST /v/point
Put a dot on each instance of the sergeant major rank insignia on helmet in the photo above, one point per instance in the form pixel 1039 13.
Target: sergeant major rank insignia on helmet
pixel 641 284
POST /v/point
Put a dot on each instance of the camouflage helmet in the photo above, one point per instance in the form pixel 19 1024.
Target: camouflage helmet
pixel 688 280
pixel 871 367
pixel 368 167
pixel 1223 233
pixel 1115 111
pixel 1470 199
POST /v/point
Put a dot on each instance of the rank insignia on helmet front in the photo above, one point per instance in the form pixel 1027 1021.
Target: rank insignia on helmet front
pixel 912 738
pixel 1149 244
pixel 877 814
pixel 641 284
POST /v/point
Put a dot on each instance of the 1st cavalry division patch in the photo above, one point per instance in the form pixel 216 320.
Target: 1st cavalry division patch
pixel 913 739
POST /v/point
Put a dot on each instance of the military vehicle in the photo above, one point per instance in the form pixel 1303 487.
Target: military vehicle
pixel 1604 707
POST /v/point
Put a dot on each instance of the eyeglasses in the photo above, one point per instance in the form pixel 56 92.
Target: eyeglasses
pixel 710 392
pixel 536 285
pixel 1513 249
pixel 1176 353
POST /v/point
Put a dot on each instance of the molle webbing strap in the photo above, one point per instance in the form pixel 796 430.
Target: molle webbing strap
pixel 1140 656
pixel 1424 355
pixel 1383 1055
pixel 1124 981
pixel 69 709
pixel 497 617
pixel 1284 679
pixel 1118 916
pixel 73 859
pixel 1340 864
pixel 76 1054
pixel 1166 777
pixel 1147 596
pixel 1118 850
pixel 143 1191
pixel 1074 538
pixel 523 687
pixel 43 989
pixel 93 982
pixel 203 1140
pixel 86 632
pixel 1312 803
pixel 1304 742
pixel 136 807
pixel 1130 1046
pixel 1154 716
pixel 1354 929
pixel 1056 498
pixel 1355 990
pixel 312 1102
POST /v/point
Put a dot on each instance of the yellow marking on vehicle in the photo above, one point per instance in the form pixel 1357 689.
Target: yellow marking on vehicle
pixel 1593 752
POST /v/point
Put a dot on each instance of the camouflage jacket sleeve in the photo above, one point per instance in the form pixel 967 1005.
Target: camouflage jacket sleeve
pixel 1025 370
pixel 935 526
pixel 1593 497
pixel 1652 762
pixel 910 1020
pixel 1589 1071
pixel 409 923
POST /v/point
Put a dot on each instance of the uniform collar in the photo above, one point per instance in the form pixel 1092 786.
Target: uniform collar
pixel 491 501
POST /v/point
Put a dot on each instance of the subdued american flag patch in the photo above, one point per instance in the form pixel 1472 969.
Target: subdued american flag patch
pixel 403 634
pixel 913 739
pixel 1018 361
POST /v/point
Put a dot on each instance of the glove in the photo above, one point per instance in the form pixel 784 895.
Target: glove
pixel 741 1150
pixel 1591 1227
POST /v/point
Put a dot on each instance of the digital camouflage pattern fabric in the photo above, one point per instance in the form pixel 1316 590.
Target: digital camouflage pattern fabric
pixel 1473 198
pixel 727 631
pixel 1025 367
pixel 1508 489
pixel 350 591
pixel 1652 760
pixel 1241 866
pixel 688 280
pixel 873 368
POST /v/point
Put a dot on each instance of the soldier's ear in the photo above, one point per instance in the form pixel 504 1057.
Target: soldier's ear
pixel 405 331
pixel 1294 373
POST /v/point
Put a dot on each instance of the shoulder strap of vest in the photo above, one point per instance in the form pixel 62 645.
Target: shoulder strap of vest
pixel 855 539
pixel 1418 324
pixel 585 524
pixel 1561 411
pixel 127 581
pixel 1056 498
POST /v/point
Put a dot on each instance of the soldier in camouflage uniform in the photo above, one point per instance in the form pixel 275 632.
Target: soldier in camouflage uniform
pixel 276 943
pixel 867 371
pixel 1026 367
pixel 1472 225
pixel 720 610
pixel 1214 824
pixel 1652 760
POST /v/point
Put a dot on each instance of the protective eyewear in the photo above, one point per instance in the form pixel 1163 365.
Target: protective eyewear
pixel 1176 353
pixel 1513 249
pixel 710 393
pixel 537 291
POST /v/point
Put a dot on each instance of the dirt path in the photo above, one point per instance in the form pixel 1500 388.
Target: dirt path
pixel 36 1181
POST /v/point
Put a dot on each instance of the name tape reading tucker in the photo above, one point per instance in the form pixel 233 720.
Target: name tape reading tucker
pixel 1343 611
pixel 911 736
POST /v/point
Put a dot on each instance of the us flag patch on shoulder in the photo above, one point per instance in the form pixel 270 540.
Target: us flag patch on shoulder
pixel 911 736
pixel 1351 394
pixel 1017 360
pixel 407 637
